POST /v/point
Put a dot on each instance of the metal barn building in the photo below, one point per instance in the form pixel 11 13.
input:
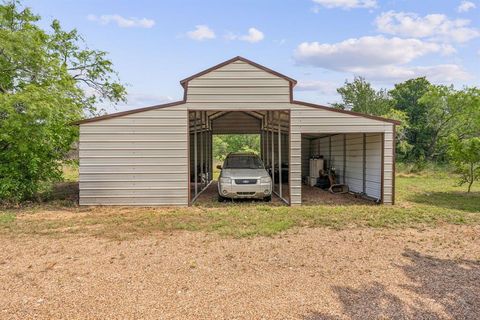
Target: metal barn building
pixel 162 155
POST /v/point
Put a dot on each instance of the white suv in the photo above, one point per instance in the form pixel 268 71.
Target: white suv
pixel 244 176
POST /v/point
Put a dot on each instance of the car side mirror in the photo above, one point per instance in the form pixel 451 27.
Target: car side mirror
pixel 219 166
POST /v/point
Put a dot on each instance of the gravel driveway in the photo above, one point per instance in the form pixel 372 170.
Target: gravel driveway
pixel 305 274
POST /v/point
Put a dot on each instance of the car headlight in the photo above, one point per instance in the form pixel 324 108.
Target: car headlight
pixel 225 180
pixel 265 180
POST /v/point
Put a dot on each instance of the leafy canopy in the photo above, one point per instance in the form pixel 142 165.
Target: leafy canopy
pixel 223 144
pixel 44 77
pixel 465 155
pixel 359 96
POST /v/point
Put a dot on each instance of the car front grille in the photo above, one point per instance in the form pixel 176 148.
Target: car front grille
pixel 245 193
pixel 246 181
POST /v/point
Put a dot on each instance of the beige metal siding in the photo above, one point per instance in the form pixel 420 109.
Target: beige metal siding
pixel 388 163
pixel 295 167
pixel 238 82
pixel 236 123
pixel 136 159
pixel 306 153
pixel 373 165
pixel 354 162
pixel 306 119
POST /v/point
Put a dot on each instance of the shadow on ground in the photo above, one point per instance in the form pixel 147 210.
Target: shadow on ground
pixel 453 286
pixel 451 200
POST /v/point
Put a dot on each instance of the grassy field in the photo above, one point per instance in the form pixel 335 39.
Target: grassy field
pixel 426 199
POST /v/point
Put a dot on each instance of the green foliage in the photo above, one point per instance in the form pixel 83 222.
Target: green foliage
pixel 449 112
pixel 429 115
pixel 359 96
pixel 465 154
pixel 406 96
pixel 43 79
pixel 223 144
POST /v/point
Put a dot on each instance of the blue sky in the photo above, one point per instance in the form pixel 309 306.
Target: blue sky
pixel 321 43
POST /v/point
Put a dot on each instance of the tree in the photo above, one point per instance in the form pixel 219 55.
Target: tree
pixel 359 96
pixel 449 112
pixel 226 143
pixel 43 81
pixel 406 98
pixel 465 155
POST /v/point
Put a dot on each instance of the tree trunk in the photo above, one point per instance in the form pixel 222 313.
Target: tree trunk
pixel 471 177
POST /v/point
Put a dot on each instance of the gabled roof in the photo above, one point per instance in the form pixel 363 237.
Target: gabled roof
pixel 184 83
pixel 237 58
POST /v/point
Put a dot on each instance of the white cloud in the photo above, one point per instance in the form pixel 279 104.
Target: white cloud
pixel 254 35
pixel 122 22
pixel 378 58
pixel 346 4
pixel 364 51
pixel 324 87
pixel 466 6
pixel 433 26
pixel 201 32
pixel 442 73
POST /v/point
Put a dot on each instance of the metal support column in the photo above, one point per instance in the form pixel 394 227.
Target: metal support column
pixel 273 150
pixel 202 133
pixel 279 155
pixel 266 139
pixel 195 155
pixel 364 167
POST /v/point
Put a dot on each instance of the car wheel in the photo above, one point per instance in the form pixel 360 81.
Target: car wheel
pixel 221 199
pixel 267 199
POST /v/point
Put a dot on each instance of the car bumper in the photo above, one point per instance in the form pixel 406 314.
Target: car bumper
pixel 252 191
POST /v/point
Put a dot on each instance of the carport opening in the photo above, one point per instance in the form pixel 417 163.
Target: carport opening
pixel 223 144
pixel 214 134
pixel 351 162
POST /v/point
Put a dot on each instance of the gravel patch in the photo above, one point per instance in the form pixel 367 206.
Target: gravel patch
pixel 305 274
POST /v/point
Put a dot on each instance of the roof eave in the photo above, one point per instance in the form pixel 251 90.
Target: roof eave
pixel 358 114
pixel 124 113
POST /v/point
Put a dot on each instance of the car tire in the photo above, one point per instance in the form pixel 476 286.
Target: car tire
pixel 267 199
pixel 221 199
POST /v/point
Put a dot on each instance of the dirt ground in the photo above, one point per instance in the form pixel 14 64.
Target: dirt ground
pixel 316 273
pixel 310 196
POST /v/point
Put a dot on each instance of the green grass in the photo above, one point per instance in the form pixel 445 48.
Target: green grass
pixel 422 200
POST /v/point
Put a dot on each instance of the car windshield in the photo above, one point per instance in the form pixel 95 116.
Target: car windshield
pixel 243 162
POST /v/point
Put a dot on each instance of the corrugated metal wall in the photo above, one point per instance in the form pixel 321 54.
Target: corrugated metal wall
pixel 345 153
pixel 238 82
pixel 236 123
pixel 136 159
pixel 306 119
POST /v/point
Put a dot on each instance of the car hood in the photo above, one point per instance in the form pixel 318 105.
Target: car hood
pixel 244 173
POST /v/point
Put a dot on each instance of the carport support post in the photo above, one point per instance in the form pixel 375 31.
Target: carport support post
pixel 265 130
pixel 273 151
pixel 279 155
pixel 364 165
pixel 202 136
pixel 195 170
